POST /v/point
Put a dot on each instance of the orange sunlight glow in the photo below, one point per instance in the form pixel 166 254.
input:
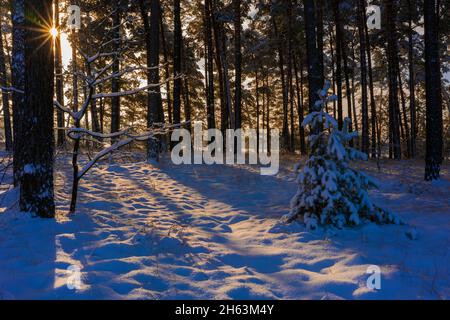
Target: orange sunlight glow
pixel 54 32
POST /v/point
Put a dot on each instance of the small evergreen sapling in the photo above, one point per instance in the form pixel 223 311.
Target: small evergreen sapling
pixel 330 192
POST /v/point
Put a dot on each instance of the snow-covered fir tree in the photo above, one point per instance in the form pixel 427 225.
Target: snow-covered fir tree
pixel 330 191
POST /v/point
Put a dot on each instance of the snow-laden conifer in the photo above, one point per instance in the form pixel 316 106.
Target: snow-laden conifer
pixel 330 191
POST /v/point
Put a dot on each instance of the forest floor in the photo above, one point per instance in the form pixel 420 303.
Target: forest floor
pixel 213 232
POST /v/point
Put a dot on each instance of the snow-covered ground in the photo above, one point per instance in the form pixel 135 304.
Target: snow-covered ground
pixel 212 232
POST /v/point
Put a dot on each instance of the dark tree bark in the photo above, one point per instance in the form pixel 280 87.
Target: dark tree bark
pixel 59 79
pixel 226 78
pixel 115 83
pixel 284 87
pixel 300 105
pixel 258 108
pixel 209 72
pixel 18 83
pixel 412 93
pixel 363 67
pixel 74 43
pixel 320 32
pixel 333 73
pixel 434 125
pixel 237 64
pixel 166 68
pixel 185 90
pixel 36 185
pixel 177 61
pixel 290 75
pixel 405 117
pixel 338 74
pixel 348 88
pixel 314 77
pixel 154 103
pixel 392 53
pixel 219 67
pixel 373 109
pixel 5 97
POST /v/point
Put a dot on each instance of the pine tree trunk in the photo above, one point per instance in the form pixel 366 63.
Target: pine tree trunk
pixel 300 105
pixel 219 66
pixel 337 21
pixel 36 187
pixel 115 83
pixel 333 73
pixel 59 79
pixel 237 64
pixel 210 100
pixel 154 103
pixel 177 61
pixel 257 108
pixel 363 66
pixel 284 87
pixel 348 88
pixel 373 109
pixel 5 97
pixel 290 77
pixel 166 68
pixel 434 125
pixel 405 117
pixel 18 83
pixel 394 125
pixel 412 93
pixel 320 31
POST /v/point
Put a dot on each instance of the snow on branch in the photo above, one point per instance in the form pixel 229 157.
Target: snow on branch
pixel 134 91
pixel 157 130
pixel 11 89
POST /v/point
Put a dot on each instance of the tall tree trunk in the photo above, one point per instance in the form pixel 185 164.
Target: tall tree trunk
pixel 36 187
pixel 434 125
pixel 392 50
pixel 237 64
pixel 373 109
pixel 333 73
pixel 290 76
pixel 115 83
pixel 258 107
pixel 284 87
pixel 177 45
pixel 59 79
pixel 363 67
pixel 154 103
pixel 5 97
pixel 267 94
pixel 412 93
pixel 405 117
pixel 185 90
pixel 348 88
pixel 300 105
pixel 337 21
pixel 18 83
pixel 320 32
pixel 166 68
pixel 226 78
pixel 209 68
pixel 219 65
pixel 102 112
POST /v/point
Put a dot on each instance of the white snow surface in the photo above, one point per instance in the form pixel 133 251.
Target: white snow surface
pixel 212 232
